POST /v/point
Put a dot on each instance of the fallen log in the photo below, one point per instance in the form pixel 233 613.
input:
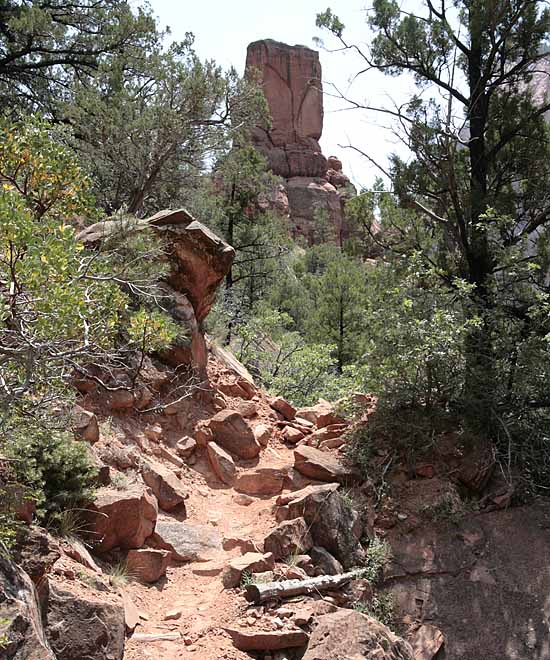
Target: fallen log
pixel 158 637
pixel 259 593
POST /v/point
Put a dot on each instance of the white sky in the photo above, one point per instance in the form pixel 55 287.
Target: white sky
pixel 224 28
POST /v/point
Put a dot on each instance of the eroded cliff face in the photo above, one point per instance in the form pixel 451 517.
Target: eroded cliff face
pixel 316 187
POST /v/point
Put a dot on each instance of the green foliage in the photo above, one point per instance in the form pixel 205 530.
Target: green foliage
pixel 338 291
pixel 119 575
pixel 8 531
pixel 237 201
pixel 449 508
pixel 452 323
pixel 285 363
pixel 378 556
pixel 44 45
pixel 331 22
pixel 62 305
pixel 360 448
pixel 381 608
pixel 55 468
pixel 4 639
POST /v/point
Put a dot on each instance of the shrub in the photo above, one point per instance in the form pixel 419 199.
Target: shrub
pixel 55 468
pixel 378 556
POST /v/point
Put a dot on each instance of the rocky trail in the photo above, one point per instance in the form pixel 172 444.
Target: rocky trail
pixel 192 601
pixel 242 484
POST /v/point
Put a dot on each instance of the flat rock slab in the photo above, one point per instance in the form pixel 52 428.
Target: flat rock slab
pixel 262 640
pixel 169 490
pixel 232 432
pixel 260 481
pixel 308 491
pixel 187 542
pixel 250 562
pixel 147 564
pixel 322 466
pixel 222 463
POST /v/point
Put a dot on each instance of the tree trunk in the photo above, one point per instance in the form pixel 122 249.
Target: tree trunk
pixel 258 593
pixel 480 369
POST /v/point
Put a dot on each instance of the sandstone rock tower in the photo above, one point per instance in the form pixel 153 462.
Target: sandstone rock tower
pixel 316 188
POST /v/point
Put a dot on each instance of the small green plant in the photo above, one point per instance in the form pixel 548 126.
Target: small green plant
pixel 119 575
pixel 247 579
pixel 292 560
pixel 67 524
pixel 88 579
pixel 378 556
pixel 4 639
pixel 347 498
pixel 56 469
pixel 381 608
pixel 360 448
pixel 448 508
pixel 120 481
pixel 8 532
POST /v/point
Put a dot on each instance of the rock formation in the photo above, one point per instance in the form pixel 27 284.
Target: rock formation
pixel 316 187
pixel 198 259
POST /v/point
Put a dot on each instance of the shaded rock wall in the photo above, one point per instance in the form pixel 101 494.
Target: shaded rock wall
pixel 484 582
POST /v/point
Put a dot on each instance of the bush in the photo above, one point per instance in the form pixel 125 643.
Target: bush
pixel 56 469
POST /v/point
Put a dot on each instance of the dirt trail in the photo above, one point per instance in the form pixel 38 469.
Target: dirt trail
pixel 205 606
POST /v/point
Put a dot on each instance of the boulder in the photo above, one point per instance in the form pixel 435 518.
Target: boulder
pixel 324 562
pixel 84 624
pixel 20 617
pixel 267 640
pixel 292 435
pixel 186 541
pixel 75 549
pixel 167 488
pixel 154 432
pixel 250 562
pixel 35 552
pixel 322 414
pixel 304 493
pixel 148 564
pixel 349 634
pixel 291 537
pixel 325 434
pixel 333 524
pixel 121 400
pixel 233 433
pixel 322 466
pixel 85 425
pixel 222 463
pixel 248 409
pixel 122 518
pixel 198 260
pixel 232 389
pixel 426 641
pixel 260 481
pixel 263 433
pixel 287 410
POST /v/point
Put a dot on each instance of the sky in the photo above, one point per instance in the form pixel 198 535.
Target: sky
pixel 224 28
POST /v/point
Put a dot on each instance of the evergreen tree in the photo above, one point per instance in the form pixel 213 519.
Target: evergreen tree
pixel 480 170
pixel 44 44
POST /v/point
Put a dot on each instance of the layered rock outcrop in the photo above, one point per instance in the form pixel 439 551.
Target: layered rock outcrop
pixel 316 187
pixel 198 259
